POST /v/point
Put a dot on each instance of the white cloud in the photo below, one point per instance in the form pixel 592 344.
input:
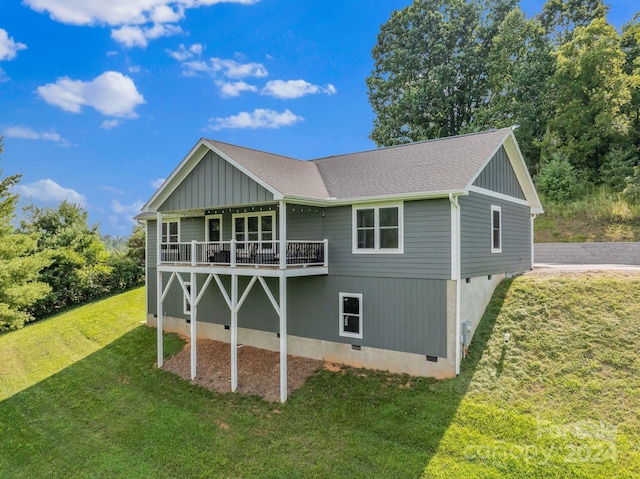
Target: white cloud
pixel 135 36
pixel 8 47
pixel 157 183
pixel 126 14
pixel 134 69
pixel 3 76
pixel 294 89
pixel 185 53
pixel 226 67
pixel 259 118
pixel 132 209
pixel 108 124
pixel 122 217
pixel 49 191
pixel 119 12
pixel 230 89
pixel 112 94
pixel 25 133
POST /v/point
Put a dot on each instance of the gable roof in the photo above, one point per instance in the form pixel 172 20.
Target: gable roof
pixel 433 166
pixel 429 168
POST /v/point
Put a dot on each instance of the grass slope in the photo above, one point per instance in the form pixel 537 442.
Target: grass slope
pixel 568 377
pixel 600 216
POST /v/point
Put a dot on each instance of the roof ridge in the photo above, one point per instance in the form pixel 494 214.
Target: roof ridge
pixel 253 149
pixel 432 140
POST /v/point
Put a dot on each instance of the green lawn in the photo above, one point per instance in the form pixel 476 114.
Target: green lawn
pixel 80 397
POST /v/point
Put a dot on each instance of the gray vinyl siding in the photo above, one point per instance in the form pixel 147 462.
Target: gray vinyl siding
pixel 152 252
pixel 499 176
pixel 399 314
pixel 214 182
pixel 192 229
pixel 475 231
pixel 305 222
pixel 427 244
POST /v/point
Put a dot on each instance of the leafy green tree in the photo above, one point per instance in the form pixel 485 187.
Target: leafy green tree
pixel 20 264
pixel 430 68
pixel 618 167
pixel 561 17
pixel 520 66
pixel 128 269
pixel 630 44
pixel 558 180
pixel 79 271
pixel 591 91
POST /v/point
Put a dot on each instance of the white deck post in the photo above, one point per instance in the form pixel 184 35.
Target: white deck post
pixel 232 263
pixel 283 337
pixel 326 252
pixel 159 288
pixel 283 234
pixel 194 315
pixel 194 246
pixel 234 332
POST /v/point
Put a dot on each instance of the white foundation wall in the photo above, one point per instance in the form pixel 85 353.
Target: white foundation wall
pixel 366 357
pixel 475 296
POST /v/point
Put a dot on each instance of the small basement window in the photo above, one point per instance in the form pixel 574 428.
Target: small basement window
pixel 496 229
pixel 351 315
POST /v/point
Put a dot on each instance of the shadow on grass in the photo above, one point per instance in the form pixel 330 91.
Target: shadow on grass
pixel 113 414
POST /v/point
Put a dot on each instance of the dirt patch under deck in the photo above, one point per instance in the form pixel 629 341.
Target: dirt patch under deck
pixel 258 369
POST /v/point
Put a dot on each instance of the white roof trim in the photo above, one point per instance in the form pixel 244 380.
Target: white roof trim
pixel 519 167
pixel 187 165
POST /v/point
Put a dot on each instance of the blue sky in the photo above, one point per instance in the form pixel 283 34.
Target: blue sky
pixel 101 99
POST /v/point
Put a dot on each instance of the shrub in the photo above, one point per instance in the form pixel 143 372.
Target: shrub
pixel 617 167
pixel 558 180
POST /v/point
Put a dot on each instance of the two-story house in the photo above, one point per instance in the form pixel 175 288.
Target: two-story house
pixel 383 259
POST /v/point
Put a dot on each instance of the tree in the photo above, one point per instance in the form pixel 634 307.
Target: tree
pixel 430 68
pixel 560 17
pixel 630 44
pixel 520 66
pixel 20 264
pixel 128 269
pixel 591 92
pixel 79 270
pixel 558 180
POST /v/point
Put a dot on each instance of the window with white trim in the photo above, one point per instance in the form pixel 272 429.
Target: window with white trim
pixel 170 231
pixel 254 227
pixel 496 229
pixel 351 315
pixel 378 229
pixel 185 299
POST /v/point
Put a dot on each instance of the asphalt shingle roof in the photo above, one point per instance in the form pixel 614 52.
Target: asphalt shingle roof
pixel 446 164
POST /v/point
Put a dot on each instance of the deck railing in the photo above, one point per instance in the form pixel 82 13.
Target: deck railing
pixel 239 253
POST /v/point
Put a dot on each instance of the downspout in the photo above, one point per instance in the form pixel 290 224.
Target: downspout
pixel 533 217
pixel 455 271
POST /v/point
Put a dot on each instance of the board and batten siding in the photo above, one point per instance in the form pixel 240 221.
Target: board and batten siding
pixel 427 244
pixel 399 314
pixel 475 231
pixel 215 182
pixel 499 176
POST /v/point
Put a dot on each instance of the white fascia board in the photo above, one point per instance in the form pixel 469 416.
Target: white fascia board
pixel 175 178
pixel 495 194
pixel 519 167
pixel 276 194
pixel 522 172
pixel 188 164
pixel 374 199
